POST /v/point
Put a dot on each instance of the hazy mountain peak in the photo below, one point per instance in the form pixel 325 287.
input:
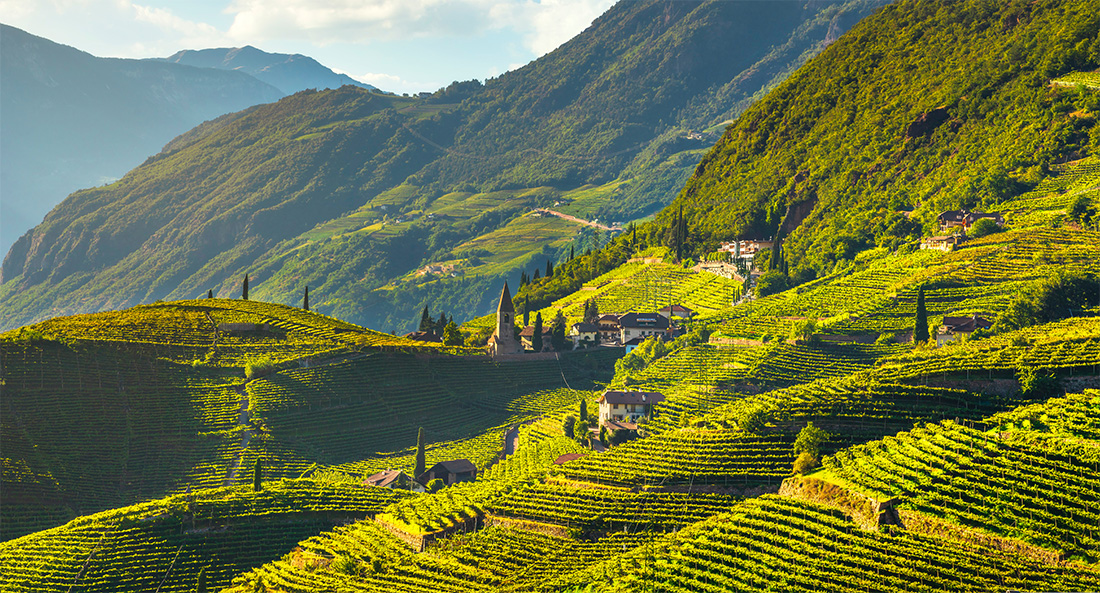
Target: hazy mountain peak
pixel 289 73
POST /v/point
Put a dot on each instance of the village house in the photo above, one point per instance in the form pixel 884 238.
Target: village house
pixel 394 480
pixel 503 340
pixel 584 334
pixel 959 328
pixel 943 242
pixel 964 219
pixel 609 328
pixel 451 472
pixel 527 338
pixel 627 406
pixel 745 250
pixel 676 312
pixel 643 325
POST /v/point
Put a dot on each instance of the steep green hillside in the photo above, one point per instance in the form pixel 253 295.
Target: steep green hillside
pixel 108 409
pixel 924 106
pixel 346 190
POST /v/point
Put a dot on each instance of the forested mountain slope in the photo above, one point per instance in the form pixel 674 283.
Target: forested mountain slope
pixel 626 106
pixel 923 107
pixel 73 120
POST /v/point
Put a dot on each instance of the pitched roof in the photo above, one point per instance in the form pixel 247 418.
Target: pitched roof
pixel 562 459
pixel 609 318
pixel 643 320
pixel 383 479
pixel 616 425
pixel 631 397
pixel 456 466
pixel 529 331
pixel 676 309
pixel 586 327
pixel 505 305
pixel 966 324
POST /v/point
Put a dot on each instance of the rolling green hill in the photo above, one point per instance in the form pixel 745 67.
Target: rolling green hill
pixel 871 127
pixel 968 466
pixel 346 191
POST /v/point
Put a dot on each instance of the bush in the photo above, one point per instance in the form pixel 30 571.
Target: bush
pixel 435 486
pixel 1065 295
pixel 569 426
pixel 886 338
pixel 1038 383
pixel 258 367
pixel 804 463
pixel 771 283
pixel 983 227
pixel 809 440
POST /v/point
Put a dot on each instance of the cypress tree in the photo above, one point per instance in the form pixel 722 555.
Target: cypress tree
pixel 920 331
pixel 210 294
pixel 536 277
pixel 305 299
pixel 526 308
pixel 536 339
pixel 425 320
pixel 549 269
pixel 584 411
pixel 419 454
pixel 633 234
pixel 244 291
pixel 570 252
pixel 257 473
pixel 200 584
pixel 442 323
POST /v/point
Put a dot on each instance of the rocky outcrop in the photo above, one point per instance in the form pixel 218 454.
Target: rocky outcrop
pixel 927 122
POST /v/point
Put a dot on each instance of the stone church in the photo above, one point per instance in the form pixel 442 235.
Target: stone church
pixel 503 340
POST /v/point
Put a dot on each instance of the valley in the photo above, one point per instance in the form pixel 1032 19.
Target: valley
pixel 859 350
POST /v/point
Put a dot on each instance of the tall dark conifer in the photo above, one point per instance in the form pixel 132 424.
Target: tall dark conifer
pixel 442 323
pixel 920 330
pixel 549 269
pixel 536 338
pixel 419 453
pixel 536 276
pixel 425 320
pixel 244 289
pixel 570 252
pixel 305 299
pixel 257 475
pixel 210 294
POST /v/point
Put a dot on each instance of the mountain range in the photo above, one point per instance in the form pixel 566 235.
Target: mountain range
pixel 72 120
pixel 351 192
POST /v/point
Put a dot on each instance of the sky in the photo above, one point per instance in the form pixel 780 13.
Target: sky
pixel 403 46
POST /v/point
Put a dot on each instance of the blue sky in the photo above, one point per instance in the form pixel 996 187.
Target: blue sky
pixel 396 45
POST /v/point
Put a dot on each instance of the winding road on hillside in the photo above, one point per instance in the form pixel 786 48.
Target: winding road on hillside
pixel 570 217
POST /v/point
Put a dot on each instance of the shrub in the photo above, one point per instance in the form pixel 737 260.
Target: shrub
pixel 886 338
pixel 804 463
pixel 771 283
pixel 258 367
pixel 983 227
pixel 1065 295
pixel 345 565
pixel 809 440
pixel 435 486
pixel 569 426
pixel 1038 383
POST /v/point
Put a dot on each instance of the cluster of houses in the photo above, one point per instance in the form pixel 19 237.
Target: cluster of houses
pixel 745 250
pixel 621 330
pixel 954 225
pixel 449 472
pixel 618 411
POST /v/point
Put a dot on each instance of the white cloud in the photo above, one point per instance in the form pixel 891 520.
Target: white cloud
pixel 184 33
pixel 544 25
pixel 547 24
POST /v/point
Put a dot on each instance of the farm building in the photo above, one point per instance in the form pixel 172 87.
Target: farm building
pixel 644 325
pixel 959 328
pixel 451 472
pixel 627 406
pixel 584 334
pixel 394 480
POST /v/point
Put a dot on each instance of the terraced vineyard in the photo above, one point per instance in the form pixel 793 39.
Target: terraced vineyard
pixel 1033 481
pixel 162 544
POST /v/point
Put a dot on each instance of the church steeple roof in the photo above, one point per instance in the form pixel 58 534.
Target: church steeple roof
pixel 505 301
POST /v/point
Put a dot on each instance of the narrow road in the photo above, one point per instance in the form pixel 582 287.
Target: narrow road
pixel 511 441
pixel 570 217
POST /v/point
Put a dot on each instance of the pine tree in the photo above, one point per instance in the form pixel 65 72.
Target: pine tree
pixel 425 320
pixel 584 411
pixel 244 291
pixel 536 338
pixel 419 454
pixel 210 294
pixel 305 299
pixel 570 252
pixel 526 309
pixel 257 473
pixel 920 331
pixel 549 269
pixel 557 332
pixel 536 277
pixel 633 234
pixel 200 584
pixel 439 325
